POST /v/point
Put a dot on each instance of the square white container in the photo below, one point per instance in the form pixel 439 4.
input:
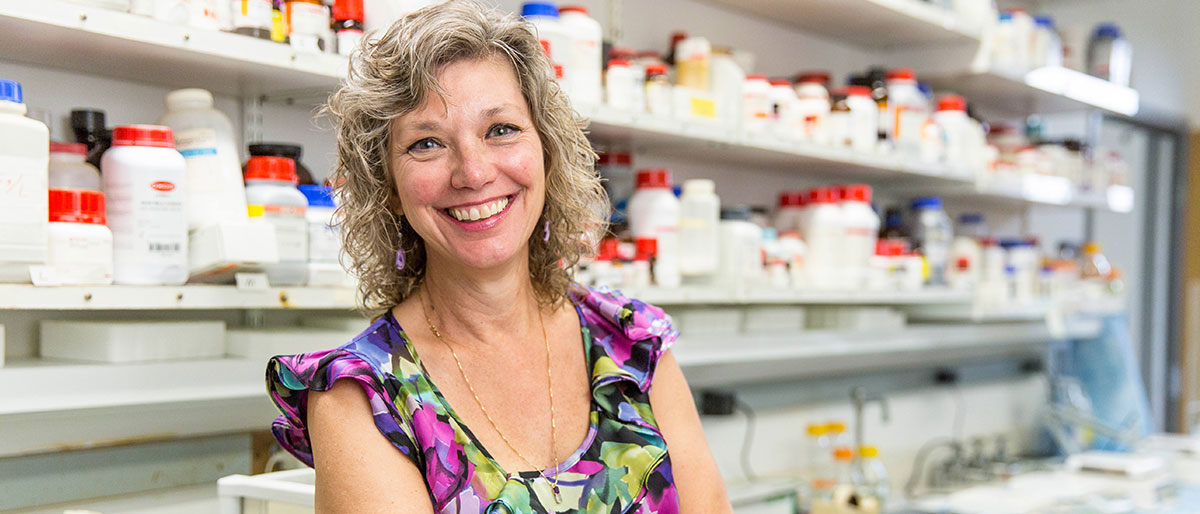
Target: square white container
pixel 132 341
pixel 773 319
pixel 263 343
pixel 216 252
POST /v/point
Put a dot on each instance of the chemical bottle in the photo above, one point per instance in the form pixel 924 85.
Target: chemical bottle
pixel 272 197
pixel 80 245
pixel 790 211
pixel 812 107
pixel 204 136
pixel 819 462
pixel 792 251
pixel 841 496
pixel 69 168
pixel 824 233
pixel 932 236
pixel 1109 55
pixel 692 57
pixel 839 120
pixel 874 490
pixel 654 212
pixel 756 104
pixel 616 170
pixel 992 289
pixel 290 151
pixel 741 263
pixel 907 112
pixel 1006 47
pixel 324 239
pixel 24 161
pixel 252 18
pixel 699 228
pixel 583 74
pixel 861 226
pixel 783 110
pixel 347 25
pixel 89 129
pixel 145 187
pixel 876 81
pixel 952 117
pixel 621 86
pixel 1047 46
pixel 966 253
pixel 659 96
pixel 725 79
pixel 1094 265
pixel 643 260
pixel 863 120
pixel 550 29
pixel 307 23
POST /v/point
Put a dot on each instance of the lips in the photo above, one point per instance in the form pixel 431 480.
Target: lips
pixel 479 212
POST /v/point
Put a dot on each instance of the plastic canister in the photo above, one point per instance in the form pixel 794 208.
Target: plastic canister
pixel 1109 54
pixel 1047 46
pixel 324 238
pixel 812 107
pixel 621 86
pixel 756 103
pixel 583 74
pixel 291 151
pixel 550 29
pixel 654 212
pixel 741 263
pixel 952 117
pixel 24 160
pixel 725 81
pixel 699 227
pixel 145 184
pixel 932 235
pixel 824 232
pixel 789 215
pixel 907 111
pixel 252 18
pixel 658 90
pixel 272 197
pixel 204 137
pixel 69 168
pixel 81 246
pixel 863 120
pixel 692 56
pixel 348 24
pixel 307 24
pixel 861 227
pixel 782 110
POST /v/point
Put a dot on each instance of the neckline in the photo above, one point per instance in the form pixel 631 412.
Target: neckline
pixel 593 407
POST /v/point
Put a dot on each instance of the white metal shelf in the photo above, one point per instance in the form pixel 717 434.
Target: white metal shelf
pixel 191 297
pixel 866 23
pixel 1116 198
pixel 690 295
pixel 1050 89
pixel 141 49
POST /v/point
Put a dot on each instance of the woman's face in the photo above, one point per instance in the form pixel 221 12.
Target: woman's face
pixel 468 167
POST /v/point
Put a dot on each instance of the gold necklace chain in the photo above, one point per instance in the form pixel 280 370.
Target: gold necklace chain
pixel 549 385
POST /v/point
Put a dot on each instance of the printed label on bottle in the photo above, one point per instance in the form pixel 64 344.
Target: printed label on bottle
pixel 251 13
pixel 82 260
pixel 149 226
pixel 324 242
pixel 347 41
pixel 307 23
pixel 24 209
pixel 291 229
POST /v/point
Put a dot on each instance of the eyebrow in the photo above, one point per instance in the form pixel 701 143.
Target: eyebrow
pixel 432 126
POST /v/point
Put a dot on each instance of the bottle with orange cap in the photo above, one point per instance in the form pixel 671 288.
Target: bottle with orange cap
pixel 842 496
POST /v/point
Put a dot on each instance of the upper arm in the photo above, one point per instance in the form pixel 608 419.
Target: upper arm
pixel 701 489
pixel 357 469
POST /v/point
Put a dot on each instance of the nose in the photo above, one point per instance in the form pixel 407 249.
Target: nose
pixel 473 167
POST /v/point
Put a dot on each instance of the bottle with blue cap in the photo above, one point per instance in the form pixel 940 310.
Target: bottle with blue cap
pixel 1047 45
pixel 551 32
pixel 1109 54
pixel 24 193
pixel 932 235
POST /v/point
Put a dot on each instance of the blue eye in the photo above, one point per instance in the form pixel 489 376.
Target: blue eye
pixel 503 129
pixel 424 145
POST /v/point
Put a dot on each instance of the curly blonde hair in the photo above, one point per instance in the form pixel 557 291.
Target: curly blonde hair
pixel 391 75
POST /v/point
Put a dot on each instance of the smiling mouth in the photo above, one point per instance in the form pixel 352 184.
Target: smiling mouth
pixel 479 212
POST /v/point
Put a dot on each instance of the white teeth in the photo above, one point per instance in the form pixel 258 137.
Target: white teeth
pixel 479 212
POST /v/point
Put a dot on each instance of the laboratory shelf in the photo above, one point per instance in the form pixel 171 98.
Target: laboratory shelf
pixel 189 297
pixel 1044 190
pixel 695 295
pixel 981 313
pixel 818 354
pixel 715 142
pixel 140 49
pixel 876 24
pixel 1044 90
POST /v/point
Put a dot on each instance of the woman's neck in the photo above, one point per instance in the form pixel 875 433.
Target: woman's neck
pixel 475 305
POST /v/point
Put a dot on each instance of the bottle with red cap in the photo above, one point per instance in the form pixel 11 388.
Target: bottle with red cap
pixel 658 90
pixel 812 106
pixel 616 170
pixel 145 185
pixel 861 227
pixel 907 111
pixel 782 110
pixel 69 168
pixel 621 86
pixel 789 214
pixel 756 104
pixel 583 73
pixel 824 232
pixel 272 197
pixel 347 25
pixel 861 120
pixel 654 212
pixel 80 245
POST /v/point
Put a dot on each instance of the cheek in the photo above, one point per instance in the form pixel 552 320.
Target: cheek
pixel 416 186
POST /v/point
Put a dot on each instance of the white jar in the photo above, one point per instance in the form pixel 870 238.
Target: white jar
pixel 583 74
pixel 741 263
pixel 654 213
pixel 783 110
pixel 24 159
pixel 204 136
pixel 553 34
pixel 907 112
pixel 659 95
pixel 621 86
pixel 932 235
pixel 251 17
pixel 81 247
pixel 1047 46
pixel 824 234
pixel 725 79
pixel 863 119
pixel 699 228
pixel 861 228
pixel 145 184
pixel 272 197
pixel 692 58
pixel 308 25
pixel 812 107
pixel 756 104
pixel 956 127
pixel 69 168
pixel 1109 55
pixel 324 239
pixel 790 213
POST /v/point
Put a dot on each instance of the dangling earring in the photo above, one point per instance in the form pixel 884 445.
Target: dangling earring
pixel 546 231
pixel 401 258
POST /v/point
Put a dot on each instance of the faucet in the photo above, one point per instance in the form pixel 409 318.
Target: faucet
pixel 859 396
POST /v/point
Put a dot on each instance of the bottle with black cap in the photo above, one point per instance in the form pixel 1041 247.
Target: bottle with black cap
pixel 88 126
pixel 286 150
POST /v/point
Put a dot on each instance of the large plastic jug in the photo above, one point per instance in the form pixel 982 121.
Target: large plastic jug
pixel 24 178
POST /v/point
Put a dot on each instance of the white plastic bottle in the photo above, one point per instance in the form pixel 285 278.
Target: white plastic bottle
pixel 654 212
pixel 861 228
pixel 24 159
pixel 966 252
pixel 907 111
pixel 820 470
pixel 783 110
pixel 204 136
pixel 875 488
pixel 145 184
pixel 692 57
pixel 583 74
pixel 741 263
pixel 324 242
pixel 824 233
pixel 951 117
pixel 932 235
pixel 1047 45
pixel 272 197
pixel 659 96
pixel 812 107
pixel 545 20
pixel 1109 55
pixel 756 104
pixel 699 228
pixel 725 80
pixel 69 168
pixel 621 86
pixel 863 120
pixel 308 25
pixel 1006 50
pixel 789 214
pixel 81 246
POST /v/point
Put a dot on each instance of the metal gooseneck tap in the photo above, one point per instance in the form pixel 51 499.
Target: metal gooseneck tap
pixel 859 396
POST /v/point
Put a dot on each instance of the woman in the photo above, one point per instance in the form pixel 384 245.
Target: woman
pixel 490 383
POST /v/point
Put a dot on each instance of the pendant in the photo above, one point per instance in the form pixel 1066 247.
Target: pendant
pixel 557 496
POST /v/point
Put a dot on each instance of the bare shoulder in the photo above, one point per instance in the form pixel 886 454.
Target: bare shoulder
pixel 354 462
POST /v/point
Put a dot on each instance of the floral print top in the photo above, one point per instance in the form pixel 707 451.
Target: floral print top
pixel 621 467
